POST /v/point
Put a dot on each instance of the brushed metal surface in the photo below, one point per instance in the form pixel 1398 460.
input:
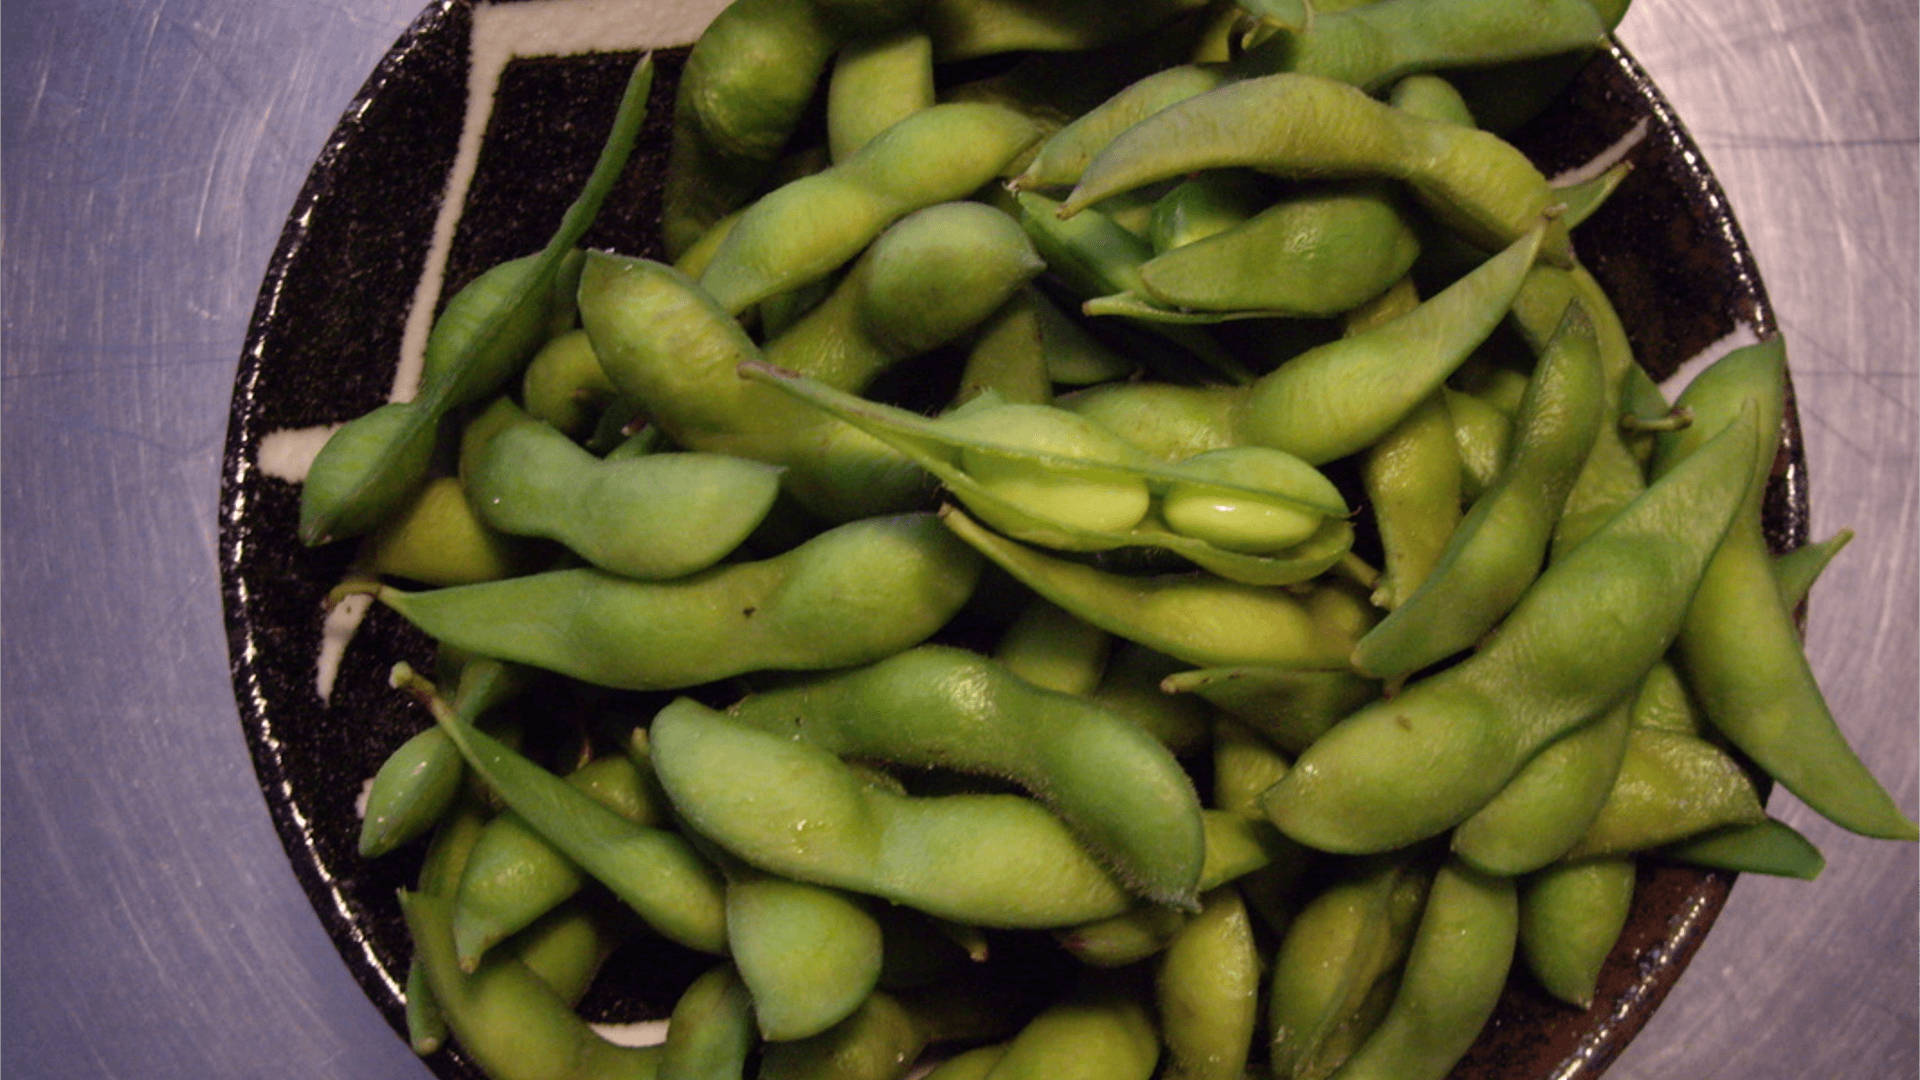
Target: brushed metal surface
pixel 149 150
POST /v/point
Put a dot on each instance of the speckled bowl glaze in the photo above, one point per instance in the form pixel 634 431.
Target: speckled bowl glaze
pixel 327 330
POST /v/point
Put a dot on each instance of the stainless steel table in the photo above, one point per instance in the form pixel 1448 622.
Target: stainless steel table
pixel 151 151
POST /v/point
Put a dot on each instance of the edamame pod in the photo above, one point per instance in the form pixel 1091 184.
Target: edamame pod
pixel 1580 639
pixel 473 349
pixel 880 1041
pixel 1103 1032
pixel 1207 992
pixel 1199 618
pixel 876 82
pixel 808 955
pixel 710 1034
pixel 1293 125
pixel 1317 252
pixel 1739 646
pixel 807 229
pixel 1341 397
pixel 655 872
pixel 850 595
pixel 1119 790
pixel 1499 547
pixel 655 517
pixel 1453 978
pixel 1570 916
pixel 1337 956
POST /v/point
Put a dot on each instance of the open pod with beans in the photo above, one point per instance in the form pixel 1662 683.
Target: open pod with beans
pixel 1125 542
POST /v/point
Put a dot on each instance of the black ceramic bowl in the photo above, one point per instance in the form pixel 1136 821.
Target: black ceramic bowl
pixel 328 329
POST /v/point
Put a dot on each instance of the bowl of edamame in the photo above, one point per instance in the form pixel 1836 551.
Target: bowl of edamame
pixel 1070 542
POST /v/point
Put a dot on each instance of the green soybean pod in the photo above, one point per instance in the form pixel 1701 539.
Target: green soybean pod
pixel 1670 786
pixel 1206 989
pixel 565 386
pixel 1198 618
pixel 1341 397
pixel 1167 420
pixel 1294 124
pixel 509 1022
pixel 1551 802
pixel 1570 916
pixel 1769 847
pixel 1500 545
pixel 853 594
pixel 566 947
pixel 805 230
pixel 880 1041
pixel 654 517
pixel 808 955
pixel 1579 640
pixel 1052 649
pixel 1453 978
pixel 654 871
pixel 1739 644
pixel 710 1034
pixel 436 538
pixel 876 82
pixel 974 1064
pixel 938 706
pixel 1008 355
pixel 1333 971
pixel 1102 1032
pixel 1203 206
pixel 1320 250
pixel 1483 438
pixel 965 29
pixel 987 860
pixel 453 837
pixel 513 876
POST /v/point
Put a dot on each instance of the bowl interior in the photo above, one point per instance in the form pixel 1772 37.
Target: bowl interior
pixel 329 327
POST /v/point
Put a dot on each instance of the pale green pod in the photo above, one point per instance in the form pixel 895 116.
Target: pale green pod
pixel 880 1041
pixel 850 595
pixel 1343 396
pixel 808 955
pixel 1101 1033
pixel 1295 124
pixel 803 231
pixel 1317 252
pixel 1050 648
pixel 1570 916
pixel 1203 206
pixel 990 860
pixel 1119 790
pixel 1551 802
pixel 1339 954
pixel 655 517
pixel 1168 421
pixel 710 1034
pixel 876 82
pixel 1453 978
pixel 1199 618
pixel 1670 786
pixel 963 29
pixel 435 538
pixel 565 386
pixel 1207 992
